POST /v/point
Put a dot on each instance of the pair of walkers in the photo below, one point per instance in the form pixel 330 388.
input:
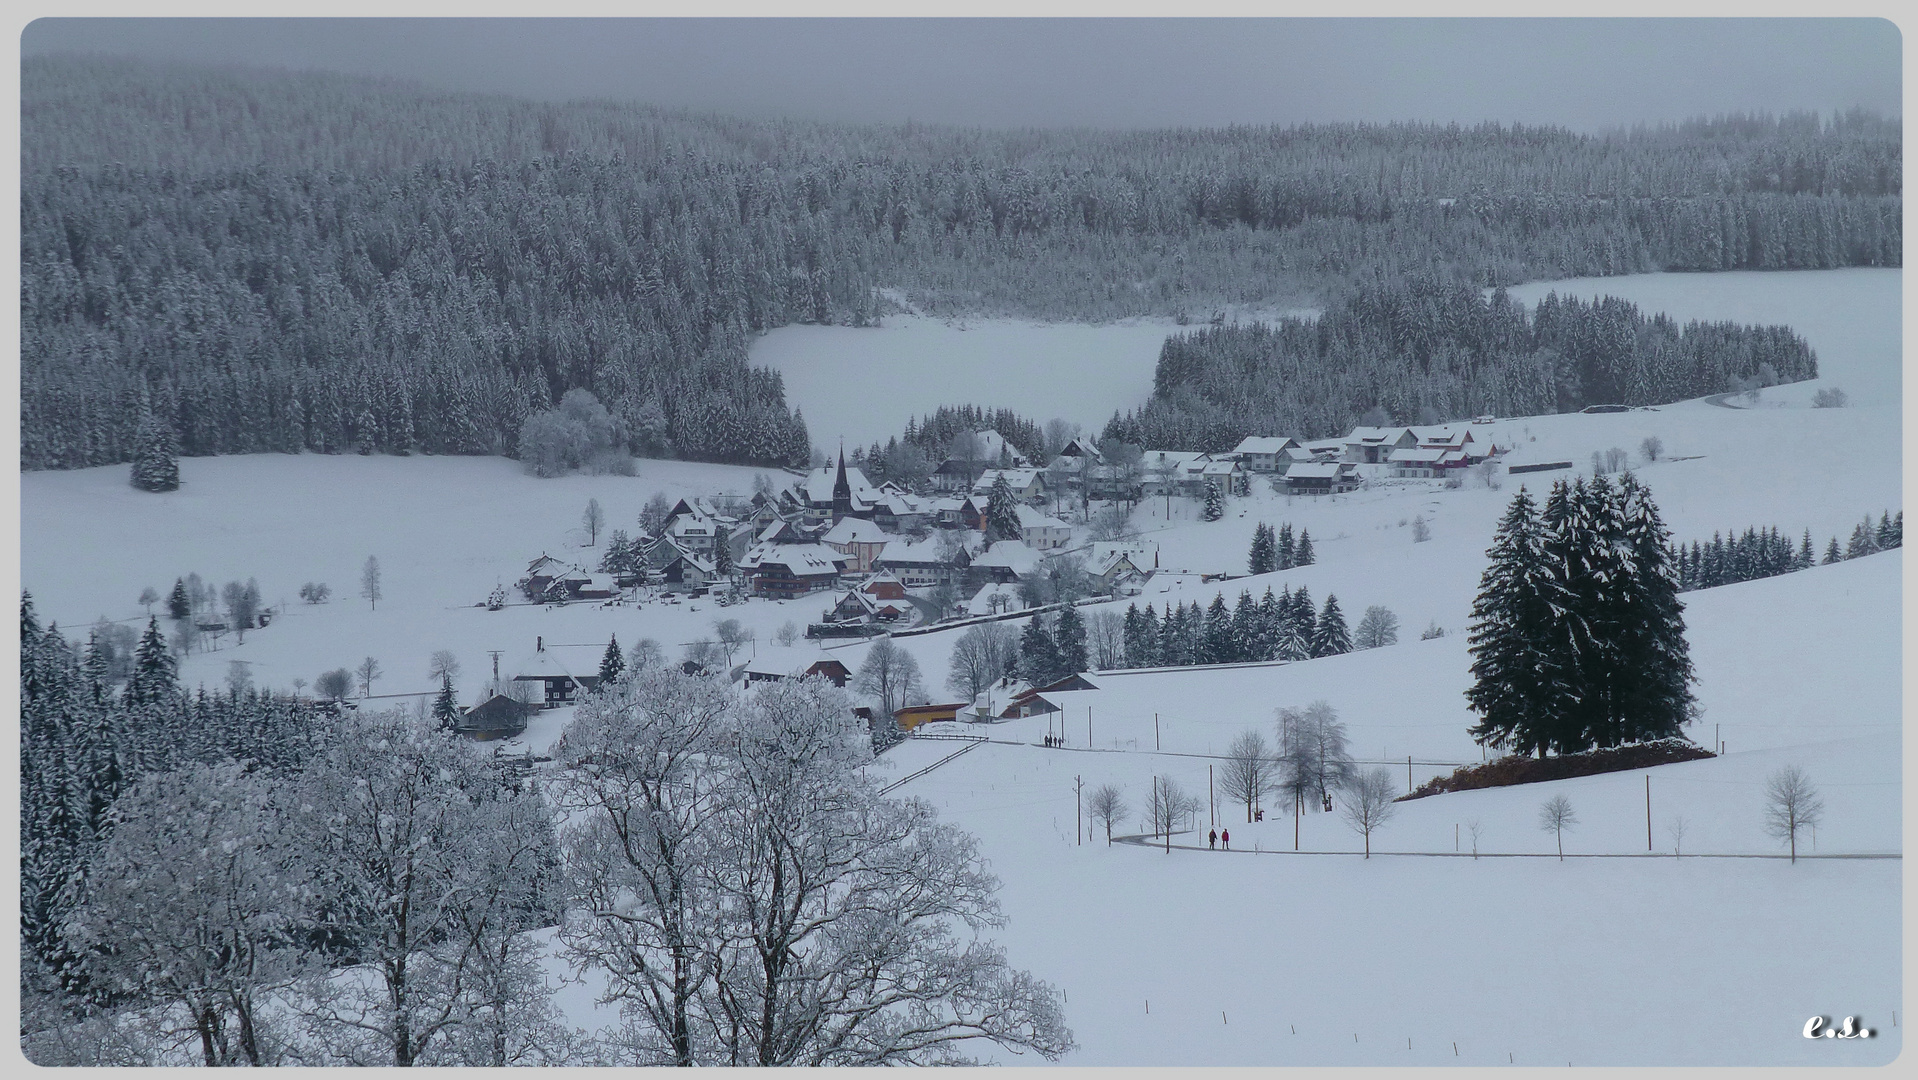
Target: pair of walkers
pixel 1214 838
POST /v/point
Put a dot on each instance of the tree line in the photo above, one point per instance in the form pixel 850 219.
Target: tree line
pixel 1761 553
pixel 1425 350
pixel 278 262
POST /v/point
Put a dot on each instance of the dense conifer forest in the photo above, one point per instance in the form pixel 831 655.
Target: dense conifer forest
pixel 1427 351
pixel 313 262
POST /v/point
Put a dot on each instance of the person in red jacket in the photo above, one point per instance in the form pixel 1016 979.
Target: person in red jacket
pixel 1226 839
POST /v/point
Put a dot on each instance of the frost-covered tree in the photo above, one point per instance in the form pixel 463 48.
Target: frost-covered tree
pixel 1421 532
pixel 1214 502
pixel 1002 511
pixel 402 841
pixel 335 684
pixel 1069 638
pixel 592 519
pixel 1368 803
pixel 652 516
pixel 443 665
pixel 732 636
pixel 844 948
pixel 368 671
pixel 193 904
pixel 1302 551
pixel 446 710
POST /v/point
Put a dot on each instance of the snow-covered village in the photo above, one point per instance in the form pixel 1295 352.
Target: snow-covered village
pixel 515 582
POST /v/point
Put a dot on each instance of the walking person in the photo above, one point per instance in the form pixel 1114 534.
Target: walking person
pixel 1226 839
pixel 1212 839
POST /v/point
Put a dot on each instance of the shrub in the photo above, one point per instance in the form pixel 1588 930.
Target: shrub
pixel 1515 769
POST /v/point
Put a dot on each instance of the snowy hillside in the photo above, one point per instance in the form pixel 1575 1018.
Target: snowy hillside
pixel 1517 957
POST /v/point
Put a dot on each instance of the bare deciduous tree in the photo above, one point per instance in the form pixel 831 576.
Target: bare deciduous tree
pixel 443 666
pixel 1652 447
pixel 1168 806
pixel 1555 817
pixel 1676 829
pixel 370 582
pixel 1368 803
pixel 1378 627
pixel 1791 804
pixel 592 519
pixel 981 657
pixel 1248 771
pixel 368 670
pixel 335 684
pixel 1107 805
pixel 1313 759
pixel 888 674
pixel 1474 829
pixel 787 634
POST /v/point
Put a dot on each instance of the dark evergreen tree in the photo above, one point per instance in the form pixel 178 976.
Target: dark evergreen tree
pixel 612 663
pixel 156 465
pixel 177 605
pixel 1882 537
pixel 1271 626
pixel 1264 555
pixel 1214 502
pixel 1285 554
pixel 154 673
pixel 1832 553
pixel 1069 638
pixel 446 710
pixel 1038 653
pixel 1302 552
pixel 723 564
pixel 1805 556
pixel 1509 632
pixel 1002 511
pixel 1247 633
pixel 1329 635
pixel 1650 692
pixel 1148 654
pixel 1219 645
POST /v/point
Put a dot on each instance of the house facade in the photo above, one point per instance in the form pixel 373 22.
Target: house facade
pixel 786 571
pixel 1322 478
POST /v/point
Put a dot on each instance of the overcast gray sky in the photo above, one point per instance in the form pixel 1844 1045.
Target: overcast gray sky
pixel 1585 74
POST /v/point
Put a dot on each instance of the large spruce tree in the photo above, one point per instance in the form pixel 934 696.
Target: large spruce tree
pixel 156 465
pixel 1508 632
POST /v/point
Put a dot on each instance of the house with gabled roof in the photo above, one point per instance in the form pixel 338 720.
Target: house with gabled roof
pixel 1322 478
pixel 857 539
pixel 922 563
pixel 776 663
pixel 1260 453
pixel 785 571
pixel 1370 445
pixel 1042 531
pixel 1028 485
pixel 550 684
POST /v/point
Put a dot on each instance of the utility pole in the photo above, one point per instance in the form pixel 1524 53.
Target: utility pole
pixel 1408 774
pixel 1078 807
pixel 1155 731
pixel 1648 811
pixel 1211 808
pixel 1088 727
pixel 1298 811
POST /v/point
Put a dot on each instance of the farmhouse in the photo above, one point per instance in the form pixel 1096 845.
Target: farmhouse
pixel 774 663
pixel 1322 478
pixel 973 451
pixel 923 563
pixel 1028 485
pixel 1260 453
pixel 1008 560
pixel 1370 445
pixel 548 685
pixel 1041 531
pixel 786 571
pixel 1423 462
pixel 858 605
pixel 498 717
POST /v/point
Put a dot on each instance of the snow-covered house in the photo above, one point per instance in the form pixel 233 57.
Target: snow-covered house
pixel 1028 485
pixel 550 685
pixel 688 573
pixel 857 605
pixel 922 563
pixel 1179 471
pixel 1450 438
pixel 1370 445
pixel 1120 567
pixel 833 492
pixel 691 527
pixel 902 512
pixel 773 663
pixel 1042 531
pixel 1260 453
pixel 970 452
pixel 1007 560
pixel 785 571
pixel 1322 478
pixel 1426 462
pixel 857 539
pixel 500 716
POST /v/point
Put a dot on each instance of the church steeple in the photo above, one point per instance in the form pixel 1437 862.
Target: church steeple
pixel 841 489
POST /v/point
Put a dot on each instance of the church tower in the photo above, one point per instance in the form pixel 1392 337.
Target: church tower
pixel 841 490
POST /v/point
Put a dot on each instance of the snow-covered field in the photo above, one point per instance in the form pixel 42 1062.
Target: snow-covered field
pixel 1524 960
pixel 865 383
